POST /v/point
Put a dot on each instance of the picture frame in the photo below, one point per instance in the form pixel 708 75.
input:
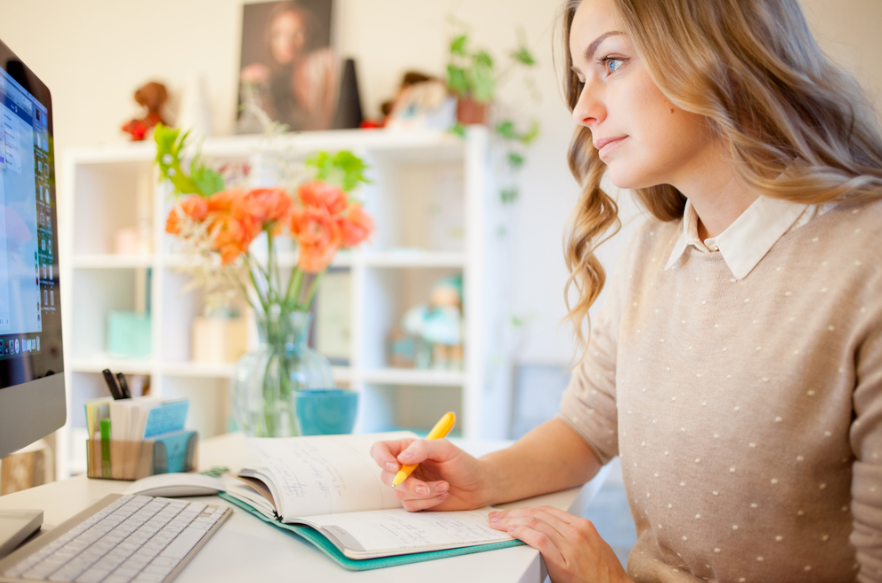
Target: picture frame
pixel 290 72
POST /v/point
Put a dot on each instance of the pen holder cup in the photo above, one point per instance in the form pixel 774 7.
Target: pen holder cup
pixel 133 460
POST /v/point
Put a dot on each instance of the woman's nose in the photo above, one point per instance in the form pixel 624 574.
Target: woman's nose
pixel 589 109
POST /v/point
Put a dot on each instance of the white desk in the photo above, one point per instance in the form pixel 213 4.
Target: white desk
pixel 246 549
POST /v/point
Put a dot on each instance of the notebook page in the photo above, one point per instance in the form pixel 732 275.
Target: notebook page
pixel 326 474
pixel 397 531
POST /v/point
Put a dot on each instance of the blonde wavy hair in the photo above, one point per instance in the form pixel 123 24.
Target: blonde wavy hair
pixel 753 68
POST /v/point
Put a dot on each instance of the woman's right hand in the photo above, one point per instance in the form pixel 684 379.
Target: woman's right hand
pixel 447 478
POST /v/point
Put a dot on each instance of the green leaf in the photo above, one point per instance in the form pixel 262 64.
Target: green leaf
pixel 344 169
pixel 483 59
pixel 523 56
pixel 206 180
pixel 506 129
pixel 508 195
pixel 528 138
pixel 458 45
pixel 458 130
pixel 515 160
pixel 457 80
pixel 484 84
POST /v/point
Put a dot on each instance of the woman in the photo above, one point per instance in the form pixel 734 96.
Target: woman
pixel 736 367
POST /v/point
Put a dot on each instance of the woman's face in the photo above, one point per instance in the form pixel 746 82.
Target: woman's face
pixel 643 138
pixel 287 36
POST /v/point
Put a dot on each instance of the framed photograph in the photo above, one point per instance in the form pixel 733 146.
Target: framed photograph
pixel 289 71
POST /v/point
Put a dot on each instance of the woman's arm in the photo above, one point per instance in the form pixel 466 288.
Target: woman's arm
pixel 551 457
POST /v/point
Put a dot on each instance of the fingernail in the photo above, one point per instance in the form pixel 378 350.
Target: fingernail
pixel 443 487
pixel 511 529
pixel 422 490
pixel 444 496
pixel 494 517
pixel 391 467
pixel 406 454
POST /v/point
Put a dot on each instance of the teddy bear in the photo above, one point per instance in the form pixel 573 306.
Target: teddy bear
pixel 153 97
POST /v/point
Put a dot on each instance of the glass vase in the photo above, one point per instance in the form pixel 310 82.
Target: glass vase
pixel 266 380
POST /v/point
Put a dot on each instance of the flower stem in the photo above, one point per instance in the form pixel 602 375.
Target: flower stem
pixel 270 255
pixel 312 290
pixel 263 303
pixel 294 282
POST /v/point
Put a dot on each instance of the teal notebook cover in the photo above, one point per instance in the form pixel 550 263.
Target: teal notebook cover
pixel 317 539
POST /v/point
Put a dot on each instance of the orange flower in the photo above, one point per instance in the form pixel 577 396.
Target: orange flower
pixel 323 195
pixel 231 236
pixel 222 202
pixel 356 226
pixel 196 207
pixel 264 204
pixel 318 236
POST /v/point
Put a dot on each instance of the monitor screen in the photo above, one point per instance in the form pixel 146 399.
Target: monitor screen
pixel 30 302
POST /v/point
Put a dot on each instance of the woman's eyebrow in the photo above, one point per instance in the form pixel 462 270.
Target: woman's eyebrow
pixel 592 48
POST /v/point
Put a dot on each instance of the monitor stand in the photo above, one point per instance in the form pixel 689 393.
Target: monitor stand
pixel 16 526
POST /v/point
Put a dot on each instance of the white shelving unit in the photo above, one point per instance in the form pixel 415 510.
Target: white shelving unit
pixel 391 274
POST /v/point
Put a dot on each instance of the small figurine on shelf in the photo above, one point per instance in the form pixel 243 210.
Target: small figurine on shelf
pixel 153 97
pixel 440 324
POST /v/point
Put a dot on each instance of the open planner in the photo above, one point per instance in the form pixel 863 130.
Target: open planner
pixel 327 489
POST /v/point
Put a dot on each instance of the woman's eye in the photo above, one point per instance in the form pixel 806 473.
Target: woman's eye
pixel 611 64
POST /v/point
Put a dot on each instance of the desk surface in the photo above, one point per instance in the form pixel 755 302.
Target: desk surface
pixel 245 549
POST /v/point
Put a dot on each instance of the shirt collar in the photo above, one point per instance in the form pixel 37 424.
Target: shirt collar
pixel 747 240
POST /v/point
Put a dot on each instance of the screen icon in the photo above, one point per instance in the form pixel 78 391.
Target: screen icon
pixel 17 347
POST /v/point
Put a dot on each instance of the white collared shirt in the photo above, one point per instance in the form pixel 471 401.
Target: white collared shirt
pixel 747 240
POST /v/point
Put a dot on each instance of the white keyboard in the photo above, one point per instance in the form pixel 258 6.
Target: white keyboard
pixel 118 540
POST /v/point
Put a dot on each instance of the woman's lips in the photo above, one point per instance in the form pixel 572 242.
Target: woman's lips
pixel 607 145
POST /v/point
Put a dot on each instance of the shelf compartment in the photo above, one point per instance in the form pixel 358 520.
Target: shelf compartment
pixel 110 196
pixel 97 292
pixel 388 294
pixel 384 406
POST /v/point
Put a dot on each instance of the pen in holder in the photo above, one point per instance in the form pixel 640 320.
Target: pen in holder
pixel 133 460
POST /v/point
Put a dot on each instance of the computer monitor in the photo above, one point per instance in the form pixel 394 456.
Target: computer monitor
pixel 32 397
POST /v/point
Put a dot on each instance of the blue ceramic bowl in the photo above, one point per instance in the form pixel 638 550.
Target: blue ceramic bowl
pixel 325 411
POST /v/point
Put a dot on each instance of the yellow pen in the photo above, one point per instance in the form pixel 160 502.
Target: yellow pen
pixel 441 429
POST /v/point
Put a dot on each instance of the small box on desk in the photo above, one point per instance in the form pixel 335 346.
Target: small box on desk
pixel 132 460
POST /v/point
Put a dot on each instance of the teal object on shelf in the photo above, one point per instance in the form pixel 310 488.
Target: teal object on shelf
pixel 325 411
pixel 129 334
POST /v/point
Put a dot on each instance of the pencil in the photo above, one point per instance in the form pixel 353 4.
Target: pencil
pixel 441 429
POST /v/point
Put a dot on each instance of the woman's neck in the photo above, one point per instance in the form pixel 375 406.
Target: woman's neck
pixel 716 193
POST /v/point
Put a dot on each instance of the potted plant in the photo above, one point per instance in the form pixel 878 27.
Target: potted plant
pixel 472 77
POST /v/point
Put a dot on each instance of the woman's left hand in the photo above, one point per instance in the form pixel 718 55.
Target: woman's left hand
pixel 571 547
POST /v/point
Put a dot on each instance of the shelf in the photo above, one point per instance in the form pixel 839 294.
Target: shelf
pixel 414 258
pixel 411 145
pixel 96 365
pixel 411 376
pixel 226 370
pixel 108 261
pixel 199 369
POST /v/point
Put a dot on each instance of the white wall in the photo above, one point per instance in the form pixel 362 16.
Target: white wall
pixel 93 54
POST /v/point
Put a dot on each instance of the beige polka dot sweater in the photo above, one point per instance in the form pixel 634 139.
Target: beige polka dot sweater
pixel 747 413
